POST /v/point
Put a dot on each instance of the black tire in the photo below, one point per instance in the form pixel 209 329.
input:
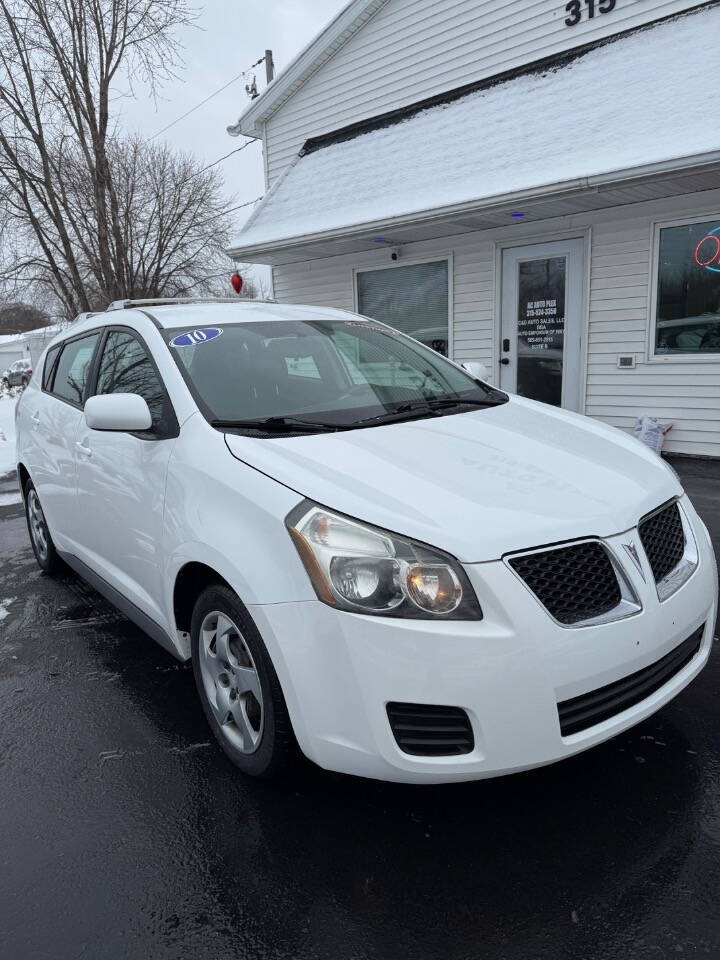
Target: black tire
pixel 5 383
pixel 47 558
pixel 277 752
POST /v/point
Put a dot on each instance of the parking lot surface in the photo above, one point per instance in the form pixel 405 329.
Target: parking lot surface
pixel 126 833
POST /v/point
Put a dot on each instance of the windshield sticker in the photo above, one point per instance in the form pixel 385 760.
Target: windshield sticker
pixel 193 337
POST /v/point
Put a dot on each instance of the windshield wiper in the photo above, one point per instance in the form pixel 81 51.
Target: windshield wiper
pixel 441 402
pixel 416 409
pixel 275 424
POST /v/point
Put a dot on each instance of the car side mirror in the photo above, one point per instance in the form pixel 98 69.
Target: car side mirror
pixel 476 369
pixel 121 412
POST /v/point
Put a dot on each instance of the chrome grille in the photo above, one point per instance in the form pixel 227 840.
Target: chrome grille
pixel 574 583
pixel 663 538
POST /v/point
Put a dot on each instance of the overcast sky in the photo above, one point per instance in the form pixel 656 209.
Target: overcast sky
pixel 225 41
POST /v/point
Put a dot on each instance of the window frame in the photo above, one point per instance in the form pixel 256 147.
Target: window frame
pixel 446 257
pixel 173 429
pixel 651 356
pixel 48 373
pixel 49 389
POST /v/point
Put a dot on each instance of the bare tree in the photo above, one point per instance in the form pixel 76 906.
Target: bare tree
pixel 97 216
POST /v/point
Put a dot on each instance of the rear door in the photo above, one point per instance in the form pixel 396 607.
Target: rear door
pixel 52 412
pixel 121 478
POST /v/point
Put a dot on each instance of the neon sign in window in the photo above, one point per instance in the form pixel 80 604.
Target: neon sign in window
pixel 707 251
pixel 688 291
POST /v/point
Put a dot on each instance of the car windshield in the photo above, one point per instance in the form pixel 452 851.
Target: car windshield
pixel 305 376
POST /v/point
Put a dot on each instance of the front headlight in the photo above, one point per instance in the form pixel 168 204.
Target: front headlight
pixel 356 567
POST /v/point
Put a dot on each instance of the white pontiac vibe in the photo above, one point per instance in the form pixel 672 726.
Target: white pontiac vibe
pixel 371 556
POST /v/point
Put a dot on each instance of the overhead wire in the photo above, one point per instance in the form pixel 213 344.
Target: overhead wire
pixel 220 159
pixel 202 103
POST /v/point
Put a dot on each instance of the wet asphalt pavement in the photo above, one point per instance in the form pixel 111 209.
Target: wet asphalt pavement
pixel 125 833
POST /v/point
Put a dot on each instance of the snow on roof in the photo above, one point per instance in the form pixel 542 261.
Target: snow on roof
pixel 643 99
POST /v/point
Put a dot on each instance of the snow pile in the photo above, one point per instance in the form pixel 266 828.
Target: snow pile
pixel 643 99
pixel 4 604
pixel 7 434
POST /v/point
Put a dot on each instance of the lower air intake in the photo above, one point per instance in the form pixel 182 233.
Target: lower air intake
pixel 425 730
pixel 601 704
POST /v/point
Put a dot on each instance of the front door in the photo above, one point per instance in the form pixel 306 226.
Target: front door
pixel 121 480
pixel 540 356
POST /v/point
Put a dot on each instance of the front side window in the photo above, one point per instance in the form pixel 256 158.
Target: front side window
pixel 73 368
pixel 125 367
pixel 688 292
pixel 49 367
pixel 413 299
pixel 330 374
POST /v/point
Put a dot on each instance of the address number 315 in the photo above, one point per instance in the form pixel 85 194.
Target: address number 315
pixel 574 9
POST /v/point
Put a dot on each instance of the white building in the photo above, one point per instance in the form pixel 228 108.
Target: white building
pixel 28 345
pixel 11 348
pixel 535 185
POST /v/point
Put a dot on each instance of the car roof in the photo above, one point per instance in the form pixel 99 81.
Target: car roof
pixel 171 316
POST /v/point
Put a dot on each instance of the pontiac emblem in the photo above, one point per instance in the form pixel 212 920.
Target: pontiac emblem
pixel 635 557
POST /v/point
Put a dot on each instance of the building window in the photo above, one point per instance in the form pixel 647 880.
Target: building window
pixel 688 293
pixel 413 299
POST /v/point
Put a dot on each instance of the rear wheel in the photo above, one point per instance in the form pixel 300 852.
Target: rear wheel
pixel 238 686
pixel 42 544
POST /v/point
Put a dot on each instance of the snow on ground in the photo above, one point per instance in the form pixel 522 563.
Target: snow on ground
pixel 7 434
pixel 4 604
pixel 639 100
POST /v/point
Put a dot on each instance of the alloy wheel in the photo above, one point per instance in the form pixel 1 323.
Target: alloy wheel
pixel 231 682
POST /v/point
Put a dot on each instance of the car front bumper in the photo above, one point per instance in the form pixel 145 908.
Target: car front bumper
pixel 508 671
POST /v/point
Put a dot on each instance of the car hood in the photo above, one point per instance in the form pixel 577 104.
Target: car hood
pixel 478 484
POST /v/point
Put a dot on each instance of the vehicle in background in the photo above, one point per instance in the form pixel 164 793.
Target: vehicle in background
pixel 18 374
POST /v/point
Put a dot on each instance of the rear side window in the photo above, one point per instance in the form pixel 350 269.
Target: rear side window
pixel 48 369
pixel 125 367
pixel 73 369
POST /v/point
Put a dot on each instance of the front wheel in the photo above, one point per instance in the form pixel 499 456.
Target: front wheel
pixel 238 686
pixel 42 544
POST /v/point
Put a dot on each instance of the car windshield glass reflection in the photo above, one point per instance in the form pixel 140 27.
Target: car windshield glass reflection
pixel 331 374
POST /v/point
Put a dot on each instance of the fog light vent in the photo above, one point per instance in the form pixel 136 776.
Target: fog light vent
pixel 427 730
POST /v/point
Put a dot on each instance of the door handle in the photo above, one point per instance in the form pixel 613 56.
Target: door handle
pixel 505 360
pixel 81 448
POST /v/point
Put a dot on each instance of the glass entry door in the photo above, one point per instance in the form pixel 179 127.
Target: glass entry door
pixel 540 355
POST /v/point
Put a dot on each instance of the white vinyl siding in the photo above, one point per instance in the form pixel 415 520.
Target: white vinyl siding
pixel 414 49
pixel 685 391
